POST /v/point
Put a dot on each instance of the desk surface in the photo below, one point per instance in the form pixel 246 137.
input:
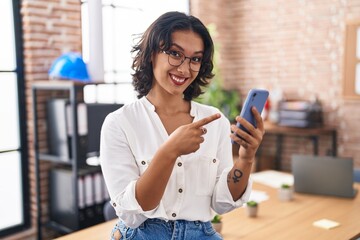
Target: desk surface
pixel 276 219
pixel 276 129
pixel 293 220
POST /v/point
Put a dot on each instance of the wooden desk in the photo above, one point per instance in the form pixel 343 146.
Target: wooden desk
pixel 276 220
pixel 101 231
pixel 312 133
pixel 293 220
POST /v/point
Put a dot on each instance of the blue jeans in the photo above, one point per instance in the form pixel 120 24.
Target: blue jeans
pixel 156 229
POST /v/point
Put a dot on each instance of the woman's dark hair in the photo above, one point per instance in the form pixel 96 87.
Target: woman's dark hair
pixel 158 37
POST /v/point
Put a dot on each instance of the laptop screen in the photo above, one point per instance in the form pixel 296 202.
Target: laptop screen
pixel 323 175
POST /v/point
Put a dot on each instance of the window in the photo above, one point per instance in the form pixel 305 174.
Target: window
pixel 121 21
pixel 14 211
pixel 352 61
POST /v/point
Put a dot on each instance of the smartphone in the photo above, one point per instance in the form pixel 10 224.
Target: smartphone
pixel 256 98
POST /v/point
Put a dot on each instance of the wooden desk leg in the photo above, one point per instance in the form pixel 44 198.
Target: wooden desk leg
pixel 279 139
pixel 315 140
pixel 334 143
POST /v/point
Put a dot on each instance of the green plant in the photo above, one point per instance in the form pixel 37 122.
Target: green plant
pixel 285 186
pixel 227 101
pixel 252 203
pixel 216 219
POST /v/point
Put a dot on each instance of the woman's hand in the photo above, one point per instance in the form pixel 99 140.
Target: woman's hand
pixel 187 138
pixel 249 142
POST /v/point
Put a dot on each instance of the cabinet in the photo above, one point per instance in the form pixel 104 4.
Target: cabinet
pixel 76 191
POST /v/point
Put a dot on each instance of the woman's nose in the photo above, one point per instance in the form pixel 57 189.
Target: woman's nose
pixel 185 65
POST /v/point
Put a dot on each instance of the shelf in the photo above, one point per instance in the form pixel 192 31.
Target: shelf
pixel 70 178
pixel 57 85
pixel 58 227
pixel 71 163
pixel 56 159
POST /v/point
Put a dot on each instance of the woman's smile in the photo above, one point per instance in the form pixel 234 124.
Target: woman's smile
pixel 177 80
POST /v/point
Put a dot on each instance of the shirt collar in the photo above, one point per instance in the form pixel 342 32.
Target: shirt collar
pixel 147 103
pixel 150 106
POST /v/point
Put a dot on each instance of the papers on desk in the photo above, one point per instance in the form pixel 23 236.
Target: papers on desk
pixel 258 196
pixel 273 178
pixel 326 224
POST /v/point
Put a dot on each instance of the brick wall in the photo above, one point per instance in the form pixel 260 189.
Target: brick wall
pixel 50 27
pixel 293 46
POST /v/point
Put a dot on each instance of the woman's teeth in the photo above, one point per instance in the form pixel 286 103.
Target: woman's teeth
pixel 177 79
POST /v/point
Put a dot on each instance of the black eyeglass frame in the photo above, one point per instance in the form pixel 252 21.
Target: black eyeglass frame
pixel 168 52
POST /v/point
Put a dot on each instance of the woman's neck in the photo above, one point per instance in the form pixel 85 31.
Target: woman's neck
pixel 168 105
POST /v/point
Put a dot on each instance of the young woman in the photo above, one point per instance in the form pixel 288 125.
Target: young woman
pixel 167 160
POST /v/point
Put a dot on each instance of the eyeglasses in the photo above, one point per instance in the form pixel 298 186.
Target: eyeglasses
pixel 176 58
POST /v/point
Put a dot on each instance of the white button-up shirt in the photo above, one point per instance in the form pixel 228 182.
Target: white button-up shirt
pixel 130 137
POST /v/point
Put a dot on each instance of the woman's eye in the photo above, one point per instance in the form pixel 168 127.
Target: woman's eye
pixel 196 59
pixel 175 54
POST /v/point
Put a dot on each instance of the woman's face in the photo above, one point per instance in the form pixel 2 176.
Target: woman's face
pixel 173 80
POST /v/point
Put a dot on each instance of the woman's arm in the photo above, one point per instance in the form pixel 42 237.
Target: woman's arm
pixel 238 176
pixel 150 187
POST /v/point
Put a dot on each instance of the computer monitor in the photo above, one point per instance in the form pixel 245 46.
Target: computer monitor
pixel 323 175
pixel 96 113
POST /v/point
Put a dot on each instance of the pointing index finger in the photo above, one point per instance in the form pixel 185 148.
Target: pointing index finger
pixel 206 120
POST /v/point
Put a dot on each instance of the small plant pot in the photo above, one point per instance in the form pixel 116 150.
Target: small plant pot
pixel 285 194
pixel 252 211
pixel 217 226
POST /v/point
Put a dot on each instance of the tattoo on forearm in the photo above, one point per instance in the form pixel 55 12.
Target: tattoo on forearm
pixel 237 175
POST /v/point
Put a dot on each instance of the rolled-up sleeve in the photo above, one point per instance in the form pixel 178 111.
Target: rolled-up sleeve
pixel 222 199
pixel 128 209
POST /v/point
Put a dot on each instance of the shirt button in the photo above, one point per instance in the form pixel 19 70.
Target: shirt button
pixel 180 190
pixel 143 162
pixel 214 160
pixel 114 204
pixel 179 164
pixel 174 214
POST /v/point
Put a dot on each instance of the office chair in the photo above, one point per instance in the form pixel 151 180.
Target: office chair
pixel 357 175
pixel 109 212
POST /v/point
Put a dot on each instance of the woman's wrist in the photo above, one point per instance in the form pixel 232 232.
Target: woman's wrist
pixel 245 165
pixel 245 161
pixel 167 152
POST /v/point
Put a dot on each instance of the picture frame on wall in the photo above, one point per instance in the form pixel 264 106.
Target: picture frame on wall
pixel 351 83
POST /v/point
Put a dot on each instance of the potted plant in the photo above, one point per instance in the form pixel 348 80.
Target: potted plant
pixel 252 208
pixel 217 223
pixel 285 192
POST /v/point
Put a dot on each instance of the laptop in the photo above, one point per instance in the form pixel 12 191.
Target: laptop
pixel 323 175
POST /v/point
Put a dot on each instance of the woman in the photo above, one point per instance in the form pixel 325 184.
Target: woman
pixel 167 160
